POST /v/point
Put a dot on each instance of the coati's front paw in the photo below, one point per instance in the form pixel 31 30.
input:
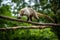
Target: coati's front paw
pixel 18 17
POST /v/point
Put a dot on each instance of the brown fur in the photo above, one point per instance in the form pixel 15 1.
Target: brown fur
pixel 34 14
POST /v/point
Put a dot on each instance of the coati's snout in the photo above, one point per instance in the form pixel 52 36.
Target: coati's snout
pixel 19 16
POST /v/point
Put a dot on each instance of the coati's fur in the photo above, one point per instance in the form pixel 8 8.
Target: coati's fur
pixel 29 12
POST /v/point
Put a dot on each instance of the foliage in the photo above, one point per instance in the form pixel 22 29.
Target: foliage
pixel 43 2
pixel 5 10
pixel 27 34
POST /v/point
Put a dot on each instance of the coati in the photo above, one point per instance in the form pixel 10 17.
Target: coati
pixel 29 12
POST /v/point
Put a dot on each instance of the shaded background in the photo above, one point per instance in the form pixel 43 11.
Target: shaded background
pixel 10 8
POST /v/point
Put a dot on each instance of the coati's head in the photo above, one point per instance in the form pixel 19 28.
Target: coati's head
pixel 20 13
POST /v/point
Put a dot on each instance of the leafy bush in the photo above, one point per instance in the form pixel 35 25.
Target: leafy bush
pixel 28 34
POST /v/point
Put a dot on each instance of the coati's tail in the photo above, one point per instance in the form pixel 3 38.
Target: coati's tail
pixel 48 17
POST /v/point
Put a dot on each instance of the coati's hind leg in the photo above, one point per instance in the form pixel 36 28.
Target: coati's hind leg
pixel 36 17
pixel 37 20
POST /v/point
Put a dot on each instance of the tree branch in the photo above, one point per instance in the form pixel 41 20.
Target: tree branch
pixel 35 23
pixel 24 27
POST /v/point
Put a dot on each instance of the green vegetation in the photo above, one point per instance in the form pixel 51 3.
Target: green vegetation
pixel 43 6
pixel 28 34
